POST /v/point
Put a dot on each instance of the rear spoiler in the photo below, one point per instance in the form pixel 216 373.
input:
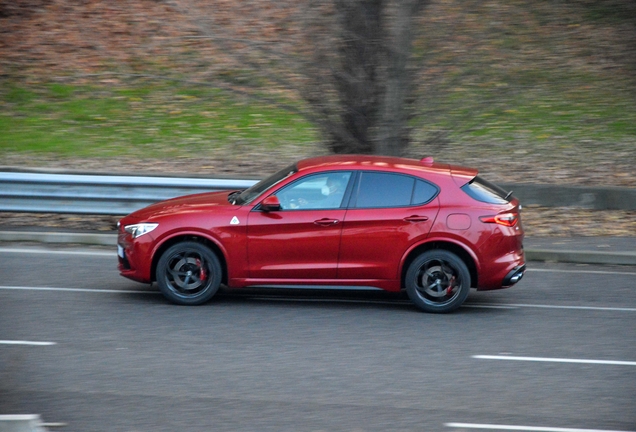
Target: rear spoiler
pixel 462 175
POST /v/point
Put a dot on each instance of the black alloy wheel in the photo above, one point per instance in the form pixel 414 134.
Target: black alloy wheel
pixel 438 281
pixel 188 273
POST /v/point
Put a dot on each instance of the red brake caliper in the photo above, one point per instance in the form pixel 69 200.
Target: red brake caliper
pixel 202 274
pixel 451 285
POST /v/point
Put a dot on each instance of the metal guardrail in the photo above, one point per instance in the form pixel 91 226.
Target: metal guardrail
pixel 120 195
pixel 586 197
pixel 97 194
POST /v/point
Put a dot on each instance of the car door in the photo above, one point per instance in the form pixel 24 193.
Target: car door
pixel 300 241
pixel 388 212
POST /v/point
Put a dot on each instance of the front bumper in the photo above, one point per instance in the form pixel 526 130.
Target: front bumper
pixel 135 257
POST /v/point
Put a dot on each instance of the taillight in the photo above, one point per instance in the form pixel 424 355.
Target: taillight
pixel 505 219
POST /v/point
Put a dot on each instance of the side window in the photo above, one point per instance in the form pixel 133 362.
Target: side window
pixel 314 192
pixel 424 192
pixel 377 190
pixel 384 190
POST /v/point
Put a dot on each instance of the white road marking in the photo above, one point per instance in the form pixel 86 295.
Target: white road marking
pixel 539 306
pixel 31 343
pixel 523 428
pixel 23 288
pixel 555 360
pixel 112 254
pixel 602 272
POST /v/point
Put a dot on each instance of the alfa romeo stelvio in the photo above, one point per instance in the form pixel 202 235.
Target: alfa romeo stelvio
pixel 335 222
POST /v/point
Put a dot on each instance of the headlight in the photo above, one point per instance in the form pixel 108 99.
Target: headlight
pixel 137 230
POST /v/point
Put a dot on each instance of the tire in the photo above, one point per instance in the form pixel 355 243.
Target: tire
pixel 188 273
pixel 438 281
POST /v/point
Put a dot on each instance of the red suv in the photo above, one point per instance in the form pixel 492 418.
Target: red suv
pixel 336 222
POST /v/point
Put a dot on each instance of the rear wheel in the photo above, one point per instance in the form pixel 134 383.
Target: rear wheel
pixel 438 281
pixel 188 273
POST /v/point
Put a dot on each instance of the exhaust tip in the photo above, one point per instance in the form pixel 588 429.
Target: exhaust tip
pixel 514 276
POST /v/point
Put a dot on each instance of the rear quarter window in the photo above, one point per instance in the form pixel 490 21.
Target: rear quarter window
pixel 484 191
pixel 424 192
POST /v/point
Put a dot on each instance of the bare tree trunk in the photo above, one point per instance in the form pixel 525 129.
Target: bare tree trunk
pixel 358 78
pixel 393 130
pixel 352 71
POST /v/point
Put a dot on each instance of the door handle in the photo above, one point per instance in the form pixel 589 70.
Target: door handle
pixel 326 222
pixel 416 218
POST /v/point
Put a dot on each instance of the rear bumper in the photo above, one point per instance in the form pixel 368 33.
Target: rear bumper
pixel 502 272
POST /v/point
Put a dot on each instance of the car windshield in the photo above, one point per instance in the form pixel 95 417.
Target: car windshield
pixel 250 194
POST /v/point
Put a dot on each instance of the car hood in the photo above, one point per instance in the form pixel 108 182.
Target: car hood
pixel 209 201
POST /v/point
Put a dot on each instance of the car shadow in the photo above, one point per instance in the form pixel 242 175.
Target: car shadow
pixel 324 298
pixel 475 304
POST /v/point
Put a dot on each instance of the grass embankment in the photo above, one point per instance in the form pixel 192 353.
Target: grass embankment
pixel 143 120
pixel 166 121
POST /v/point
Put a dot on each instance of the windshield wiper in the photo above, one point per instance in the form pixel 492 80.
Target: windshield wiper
pixel 232 196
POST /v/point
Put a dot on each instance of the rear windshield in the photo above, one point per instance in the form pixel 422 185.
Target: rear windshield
pixel 485 191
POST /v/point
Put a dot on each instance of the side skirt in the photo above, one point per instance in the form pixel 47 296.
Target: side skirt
pixel 344 285
pixel 319 287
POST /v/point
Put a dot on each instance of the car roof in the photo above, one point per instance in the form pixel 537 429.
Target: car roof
pixel 390 163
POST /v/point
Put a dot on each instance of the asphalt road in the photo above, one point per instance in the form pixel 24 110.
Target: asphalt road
pixel 91 351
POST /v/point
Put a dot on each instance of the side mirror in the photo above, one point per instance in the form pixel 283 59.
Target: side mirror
pixel 271 203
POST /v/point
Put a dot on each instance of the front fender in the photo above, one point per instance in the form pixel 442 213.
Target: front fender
pixel 173 237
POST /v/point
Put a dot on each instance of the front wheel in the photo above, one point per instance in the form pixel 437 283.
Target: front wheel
pixel 188 273
pixel 438 281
